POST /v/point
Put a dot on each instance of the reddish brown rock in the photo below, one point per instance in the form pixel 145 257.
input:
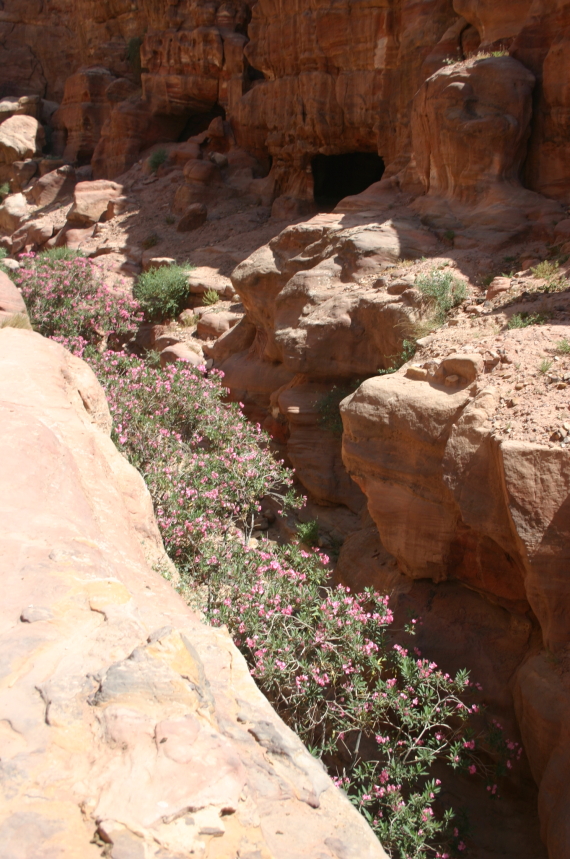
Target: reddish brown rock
pixel 195 215
pixel 82 114
pixel 470 129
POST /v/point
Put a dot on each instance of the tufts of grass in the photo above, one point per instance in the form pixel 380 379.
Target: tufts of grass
pixel 211 297
pixel 545 365
pixel 170 219
pixel 4 190
pixel 18 320
pixel 563 347
pixel 523 320
pixel 161 292
pixel 308 533
pixel 442 291
pixel 150 241
pixel 55 254
pixel 158 157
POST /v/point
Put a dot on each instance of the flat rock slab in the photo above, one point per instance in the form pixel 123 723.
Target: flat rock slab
pixel 126 725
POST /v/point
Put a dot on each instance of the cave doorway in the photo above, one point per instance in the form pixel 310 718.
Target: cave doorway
pixel 339 176
pixel 199 122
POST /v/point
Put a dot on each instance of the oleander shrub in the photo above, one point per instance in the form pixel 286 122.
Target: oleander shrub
pixel 68 301
pixel 162 292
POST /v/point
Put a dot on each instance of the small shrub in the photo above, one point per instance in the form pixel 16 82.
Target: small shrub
pixel 161 292
pixel 18 320
pixel 308 532
pixel 442 291
pixel 545 269
pixel 545 365
pixel 170 219
pixel 150 241
pixel 158 157
pixel 523 320
pixel 449 235
pixel 563 346
pixel 4 190
pixel 211 297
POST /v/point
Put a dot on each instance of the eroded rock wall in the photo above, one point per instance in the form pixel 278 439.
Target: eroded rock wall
pixel 294 79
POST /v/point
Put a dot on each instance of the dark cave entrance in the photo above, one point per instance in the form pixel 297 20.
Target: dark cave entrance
pixel 338 176
pixel 199 122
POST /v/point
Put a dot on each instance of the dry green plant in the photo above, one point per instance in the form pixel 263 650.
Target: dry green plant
pixel 563 346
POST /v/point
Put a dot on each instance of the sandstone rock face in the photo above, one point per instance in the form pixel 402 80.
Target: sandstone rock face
pixel 470 127
pixel 295 80
pixel 125 722
pixel 319 317
pixel 451 501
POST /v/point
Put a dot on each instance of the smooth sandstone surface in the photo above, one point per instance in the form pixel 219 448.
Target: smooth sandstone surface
pixel 127 727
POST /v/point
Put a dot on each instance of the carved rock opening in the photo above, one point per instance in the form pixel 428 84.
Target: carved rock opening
pixel 339 176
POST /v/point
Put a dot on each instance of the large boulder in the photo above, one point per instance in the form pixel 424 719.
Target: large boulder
pixel 91 199
pixel 21 137
pixel 13 212
pixel 124 720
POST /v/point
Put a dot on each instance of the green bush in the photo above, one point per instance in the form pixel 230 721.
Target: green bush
pixel 442 291
pixel 4 190
pixel 158 157
pixel 563 346
pixel 161 292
